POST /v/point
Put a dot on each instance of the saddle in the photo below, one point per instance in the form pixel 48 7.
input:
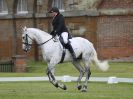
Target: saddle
pixel 64 47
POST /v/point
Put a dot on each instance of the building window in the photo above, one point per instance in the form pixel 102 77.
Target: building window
pixel 3 7
pixel 59 4
pixel 22 7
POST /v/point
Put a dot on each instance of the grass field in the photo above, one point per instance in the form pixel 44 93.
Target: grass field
pixel 45 90
pixel 39 69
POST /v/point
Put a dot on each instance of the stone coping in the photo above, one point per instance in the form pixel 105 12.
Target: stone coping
pixel 73 13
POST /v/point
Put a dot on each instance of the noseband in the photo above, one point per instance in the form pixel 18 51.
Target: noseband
pixel 26 40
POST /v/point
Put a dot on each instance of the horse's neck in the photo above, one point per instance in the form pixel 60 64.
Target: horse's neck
pixel 41 36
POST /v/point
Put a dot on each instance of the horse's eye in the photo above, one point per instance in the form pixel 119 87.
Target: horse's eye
pixel 23 38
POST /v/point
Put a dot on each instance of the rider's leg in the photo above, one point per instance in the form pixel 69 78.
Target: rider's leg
pixel 71 51
pixel 67 42
pixel 64 35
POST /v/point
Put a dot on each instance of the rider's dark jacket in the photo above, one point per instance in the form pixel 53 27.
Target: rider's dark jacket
pixel 58 25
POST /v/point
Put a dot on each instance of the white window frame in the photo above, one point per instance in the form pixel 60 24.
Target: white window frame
pixel 3 7
pixel 59 4
pixel 22 7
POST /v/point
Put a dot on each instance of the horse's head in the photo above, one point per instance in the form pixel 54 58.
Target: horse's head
pixel 26 39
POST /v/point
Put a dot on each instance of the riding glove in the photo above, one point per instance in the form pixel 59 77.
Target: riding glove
pixel 53 33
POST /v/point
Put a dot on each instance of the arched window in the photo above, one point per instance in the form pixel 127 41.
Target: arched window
pixel 59 4
pixel 22 7
pixel 3 7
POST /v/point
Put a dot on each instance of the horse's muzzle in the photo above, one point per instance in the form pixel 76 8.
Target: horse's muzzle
pixel 25 50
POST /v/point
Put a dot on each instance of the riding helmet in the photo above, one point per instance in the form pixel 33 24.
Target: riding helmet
pixel 54 9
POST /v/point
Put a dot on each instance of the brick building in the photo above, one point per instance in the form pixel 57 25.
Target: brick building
pixel 106 23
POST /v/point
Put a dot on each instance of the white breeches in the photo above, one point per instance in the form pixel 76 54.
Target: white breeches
pixel 65 37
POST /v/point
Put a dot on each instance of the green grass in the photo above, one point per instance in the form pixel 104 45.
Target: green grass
pixel 44 90
pixel 35 69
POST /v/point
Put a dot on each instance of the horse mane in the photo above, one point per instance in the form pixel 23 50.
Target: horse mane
pixel 38 31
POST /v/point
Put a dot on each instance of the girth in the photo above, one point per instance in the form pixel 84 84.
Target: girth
pixel 63 55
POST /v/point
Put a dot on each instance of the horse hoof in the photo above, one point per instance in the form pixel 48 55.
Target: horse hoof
pixel 65 88
pixel 83 90
pixel 79 87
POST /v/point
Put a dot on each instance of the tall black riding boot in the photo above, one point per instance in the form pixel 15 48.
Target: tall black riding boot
pixel 71 51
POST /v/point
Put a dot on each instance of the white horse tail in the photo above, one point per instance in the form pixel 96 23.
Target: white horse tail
pixel 102 65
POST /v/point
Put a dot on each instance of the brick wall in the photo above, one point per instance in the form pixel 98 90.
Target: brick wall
pixel 113 4
pixel 115 38
pixel 6 33
pixel 83 27
pixel 112 34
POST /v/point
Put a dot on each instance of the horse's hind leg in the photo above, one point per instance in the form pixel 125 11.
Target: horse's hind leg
pixel 88 73
pixel 81 71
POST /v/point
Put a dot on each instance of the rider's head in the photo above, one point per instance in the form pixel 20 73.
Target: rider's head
pixel 54 11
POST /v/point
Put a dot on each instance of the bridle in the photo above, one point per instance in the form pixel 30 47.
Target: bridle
pixel 29 45
pixel 26 40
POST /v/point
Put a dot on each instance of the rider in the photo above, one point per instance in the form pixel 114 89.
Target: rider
pixel 60 29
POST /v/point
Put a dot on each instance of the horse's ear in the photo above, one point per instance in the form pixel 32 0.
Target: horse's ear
pixel 24 28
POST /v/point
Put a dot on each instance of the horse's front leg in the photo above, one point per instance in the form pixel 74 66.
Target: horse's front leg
pixel 51 76
pixel 52 79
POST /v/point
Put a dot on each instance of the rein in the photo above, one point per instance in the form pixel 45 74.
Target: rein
pixel 45 42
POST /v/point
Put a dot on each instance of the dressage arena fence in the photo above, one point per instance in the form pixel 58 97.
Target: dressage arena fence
pixel 67 78
pixel 6 66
